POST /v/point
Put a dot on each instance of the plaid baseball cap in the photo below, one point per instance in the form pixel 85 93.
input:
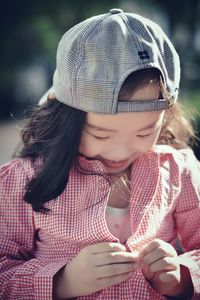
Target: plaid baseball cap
pixel 95 57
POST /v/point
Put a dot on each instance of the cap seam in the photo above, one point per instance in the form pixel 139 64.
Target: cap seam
pixel 138 38
pixel 126 22
pixel 82 54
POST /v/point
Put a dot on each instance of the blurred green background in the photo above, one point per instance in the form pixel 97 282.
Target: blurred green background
pixel 30 31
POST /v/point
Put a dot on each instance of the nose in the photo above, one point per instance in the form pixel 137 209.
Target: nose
pixel 121 152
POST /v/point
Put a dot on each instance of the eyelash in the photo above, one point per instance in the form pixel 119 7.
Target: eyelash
pixel 100 138
pixel 145 135
pixel 107 137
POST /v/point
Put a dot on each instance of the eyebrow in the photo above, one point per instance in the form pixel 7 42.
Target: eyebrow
pixel 99 128
pixel 150 126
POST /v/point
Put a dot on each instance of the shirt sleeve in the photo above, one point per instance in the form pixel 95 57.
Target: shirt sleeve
pixel 187 218
pixel 22 276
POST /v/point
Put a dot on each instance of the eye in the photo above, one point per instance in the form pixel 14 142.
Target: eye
pixel 100 137
pixel 144 135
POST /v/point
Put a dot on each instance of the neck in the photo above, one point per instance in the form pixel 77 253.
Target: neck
pixel 124 175
pixel 120 189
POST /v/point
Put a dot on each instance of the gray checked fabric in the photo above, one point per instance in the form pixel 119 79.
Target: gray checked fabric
pixel 95 56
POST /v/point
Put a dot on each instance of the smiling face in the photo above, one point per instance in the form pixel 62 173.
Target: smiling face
pixel 118 139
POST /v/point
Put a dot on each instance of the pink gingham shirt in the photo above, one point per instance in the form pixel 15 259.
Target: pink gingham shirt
pixel 165 202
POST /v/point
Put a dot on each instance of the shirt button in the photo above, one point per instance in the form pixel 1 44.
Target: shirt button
pixel 114 11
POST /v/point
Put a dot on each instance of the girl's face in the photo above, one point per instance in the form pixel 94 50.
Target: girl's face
pixel 116 140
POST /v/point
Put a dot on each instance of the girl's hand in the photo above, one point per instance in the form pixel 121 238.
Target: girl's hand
pixel 161 266
pixel 96 267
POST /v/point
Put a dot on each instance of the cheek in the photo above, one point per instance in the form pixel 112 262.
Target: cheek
pixel 88 147
pixel 154 139
pixel 146 144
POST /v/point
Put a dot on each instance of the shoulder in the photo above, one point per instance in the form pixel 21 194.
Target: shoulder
pixel 183 157
pixel 14 177
pixel 182 169
pixel 14 211
pixel 182 160
pixel 16 173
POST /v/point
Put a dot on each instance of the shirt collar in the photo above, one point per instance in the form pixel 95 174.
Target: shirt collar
pixel 90 165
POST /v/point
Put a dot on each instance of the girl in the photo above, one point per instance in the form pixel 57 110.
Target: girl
pixel 105 182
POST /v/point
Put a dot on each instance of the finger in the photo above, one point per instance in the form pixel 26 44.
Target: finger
pixel 164 264
pixel 114 269
pixel 155 255
pixel 107 247
pixel 157 243
pixel 150 247
pixel 170 277
pixel 115 257
pixel 109 281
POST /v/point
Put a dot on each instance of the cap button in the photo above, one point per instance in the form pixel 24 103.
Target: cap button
pixel 114 11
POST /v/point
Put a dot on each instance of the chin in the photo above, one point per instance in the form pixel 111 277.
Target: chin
pixel 116 170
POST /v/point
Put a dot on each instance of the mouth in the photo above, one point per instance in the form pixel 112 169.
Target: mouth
pixel 114 164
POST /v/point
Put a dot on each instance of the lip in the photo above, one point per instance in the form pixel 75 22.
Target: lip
pixel 114 164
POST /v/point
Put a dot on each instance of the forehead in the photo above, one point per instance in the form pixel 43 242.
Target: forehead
pixel 123 121
pixel 135 119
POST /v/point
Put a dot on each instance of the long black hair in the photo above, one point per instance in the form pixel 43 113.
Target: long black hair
pixel 53 134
